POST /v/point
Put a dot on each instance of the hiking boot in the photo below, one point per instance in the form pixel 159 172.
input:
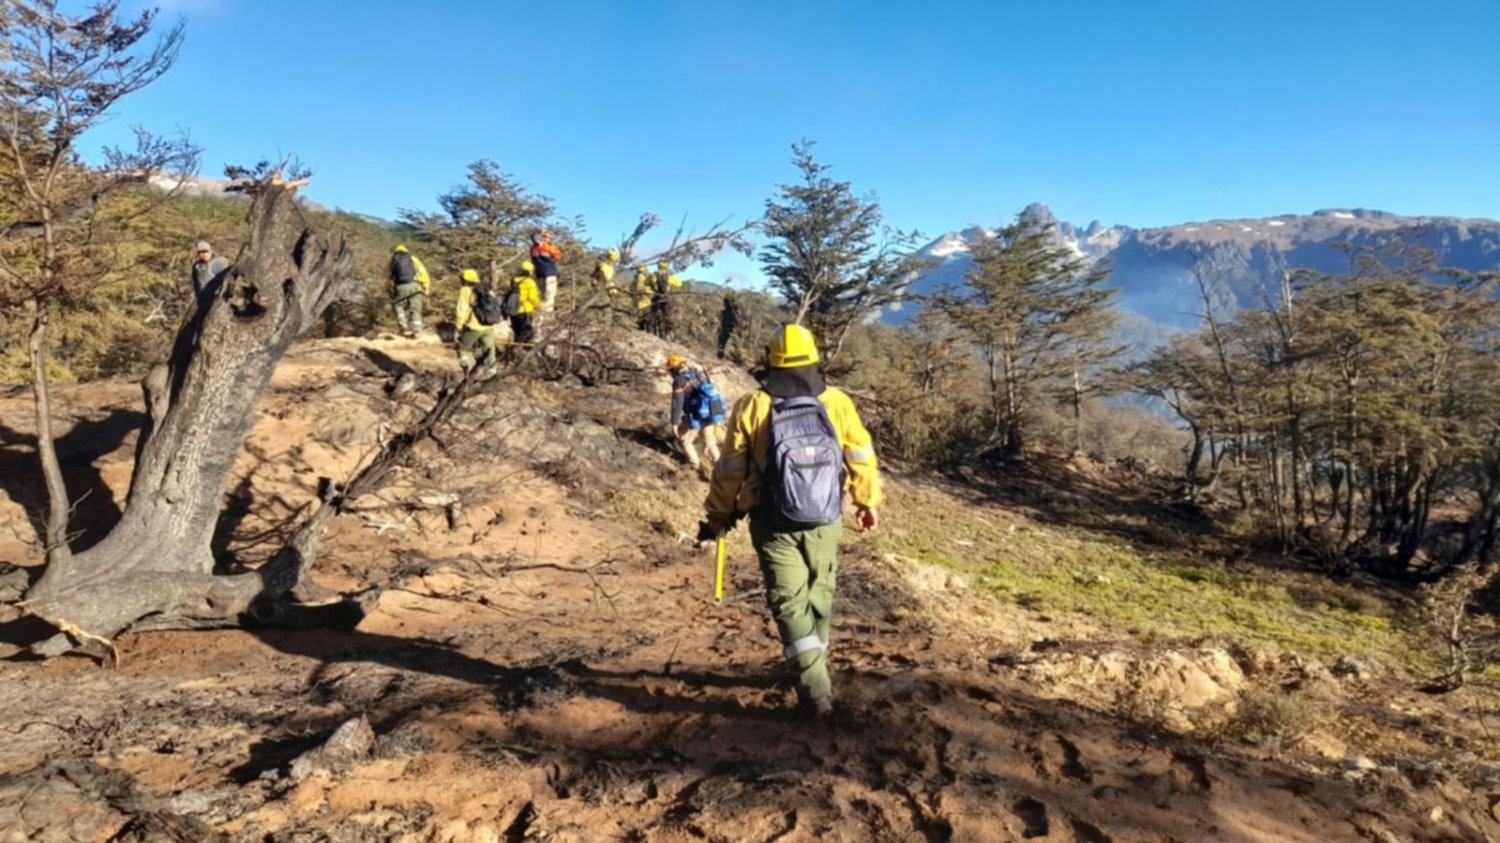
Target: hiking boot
pixel 813 708
pixel 820 709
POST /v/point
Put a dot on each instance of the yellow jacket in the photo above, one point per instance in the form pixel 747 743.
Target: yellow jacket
pixel 645 288
pixel 422 277
pixel 463 315
pixel 604 274
pixel 736 482
pixel 530 297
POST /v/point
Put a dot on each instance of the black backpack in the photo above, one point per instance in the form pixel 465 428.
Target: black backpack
pixel 512 304
pixel 403 270
pixel 487 307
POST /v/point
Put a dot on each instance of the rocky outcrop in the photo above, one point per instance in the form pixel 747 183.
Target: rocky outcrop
pixel 1179 689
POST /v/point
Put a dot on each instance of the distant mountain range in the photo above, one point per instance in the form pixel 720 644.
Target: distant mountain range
pixel 192 185
pixel 1150 266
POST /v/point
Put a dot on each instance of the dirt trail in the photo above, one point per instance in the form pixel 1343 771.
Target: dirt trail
pixel 554 670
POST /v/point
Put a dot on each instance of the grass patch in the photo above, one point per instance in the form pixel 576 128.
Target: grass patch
pixel 1144 594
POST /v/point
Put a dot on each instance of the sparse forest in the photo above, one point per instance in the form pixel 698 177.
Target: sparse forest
pixel 269 571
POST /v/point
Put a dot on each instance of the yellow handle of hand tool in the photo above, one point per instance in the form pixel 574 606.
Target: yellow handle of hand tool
pixel 719 569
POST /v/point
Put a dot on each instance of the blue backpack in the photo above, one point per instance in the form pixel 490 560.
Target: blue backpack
pixel 803 483
pixel 706 404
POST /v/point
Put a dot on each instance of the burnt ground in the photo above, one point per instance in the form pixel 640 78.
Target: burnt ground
pixel 555 669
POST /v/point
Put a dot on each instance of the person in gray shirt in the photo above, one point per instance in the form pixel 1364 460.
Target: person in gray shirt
pixel 205 269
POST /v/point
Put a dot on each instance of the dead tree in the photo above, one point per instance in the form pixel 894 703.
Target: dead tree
pixel 155 569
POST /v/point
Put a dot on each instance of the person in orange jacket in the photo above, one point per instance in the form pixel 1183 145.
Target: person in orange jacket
pixel 545 255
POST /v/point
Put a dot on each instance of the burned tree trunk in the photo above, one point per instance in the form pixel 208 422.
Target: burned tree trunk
pixel 155 568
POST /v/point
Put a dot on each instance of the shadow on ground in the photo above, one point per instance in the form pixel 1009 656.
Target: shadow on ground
pixel 95 510
pixel 931 750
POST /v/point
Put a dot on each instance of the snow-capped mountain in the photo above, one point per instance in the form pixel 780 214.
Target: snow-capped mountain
pixel 1243 259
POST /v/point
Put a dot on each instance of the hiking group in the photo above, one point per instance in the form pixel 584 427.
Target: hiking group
pixel 531 292
pixel 479 308
pixel 784 457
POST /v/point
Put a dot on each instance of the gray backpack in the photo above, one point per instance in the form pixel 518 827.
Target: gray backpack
pixel 803 483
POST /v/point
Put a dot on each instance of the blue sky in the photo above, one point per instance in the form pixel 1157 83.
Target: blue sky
pixel 1146 112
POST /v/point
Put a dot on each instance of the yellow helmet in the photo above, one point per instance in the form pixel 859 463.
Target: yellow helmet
pixel 469 276
pixel 401 248
pixel 528 267
pixel 792 346
pixel 675 361
pixel 613 254
pixel 663 265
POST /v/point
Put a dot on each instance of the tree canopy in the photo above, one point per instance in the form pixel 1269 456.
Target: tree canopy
pixel 829 252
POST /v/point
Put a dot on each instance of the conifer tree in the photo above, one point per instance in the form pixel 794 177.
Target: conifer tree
pixel 830 253
pixel 1039 315
pixel 485 222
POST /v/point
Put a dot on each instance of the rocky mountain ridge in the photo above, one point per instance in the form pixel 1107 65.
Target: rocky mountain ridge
pixel 1152 267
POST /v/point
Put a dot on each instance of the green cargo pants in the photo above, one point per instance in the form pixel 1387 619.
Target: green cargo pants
pixel 800 568
pixel 483 340
pixel 408 302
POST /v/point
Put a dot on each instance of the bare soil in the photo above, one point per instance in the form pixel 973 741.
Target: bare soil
pixel 554 668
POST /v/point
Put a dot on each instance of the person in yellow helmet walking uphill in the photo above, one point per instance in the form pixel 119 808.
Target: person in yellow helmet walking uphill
pixel 475 317
pixel 794 447
pixel 521 302
pixel 410 286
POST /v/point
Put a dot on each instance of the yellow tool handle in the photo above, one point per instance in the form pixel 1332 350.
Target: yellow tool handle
pixel 719 569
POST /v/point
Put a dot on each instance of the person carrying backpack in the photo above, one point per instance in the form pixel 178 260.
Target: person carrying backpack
pixel 794 447
pixel 697 412
pixel 410 286
pixel 520 304
pixel 475 317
